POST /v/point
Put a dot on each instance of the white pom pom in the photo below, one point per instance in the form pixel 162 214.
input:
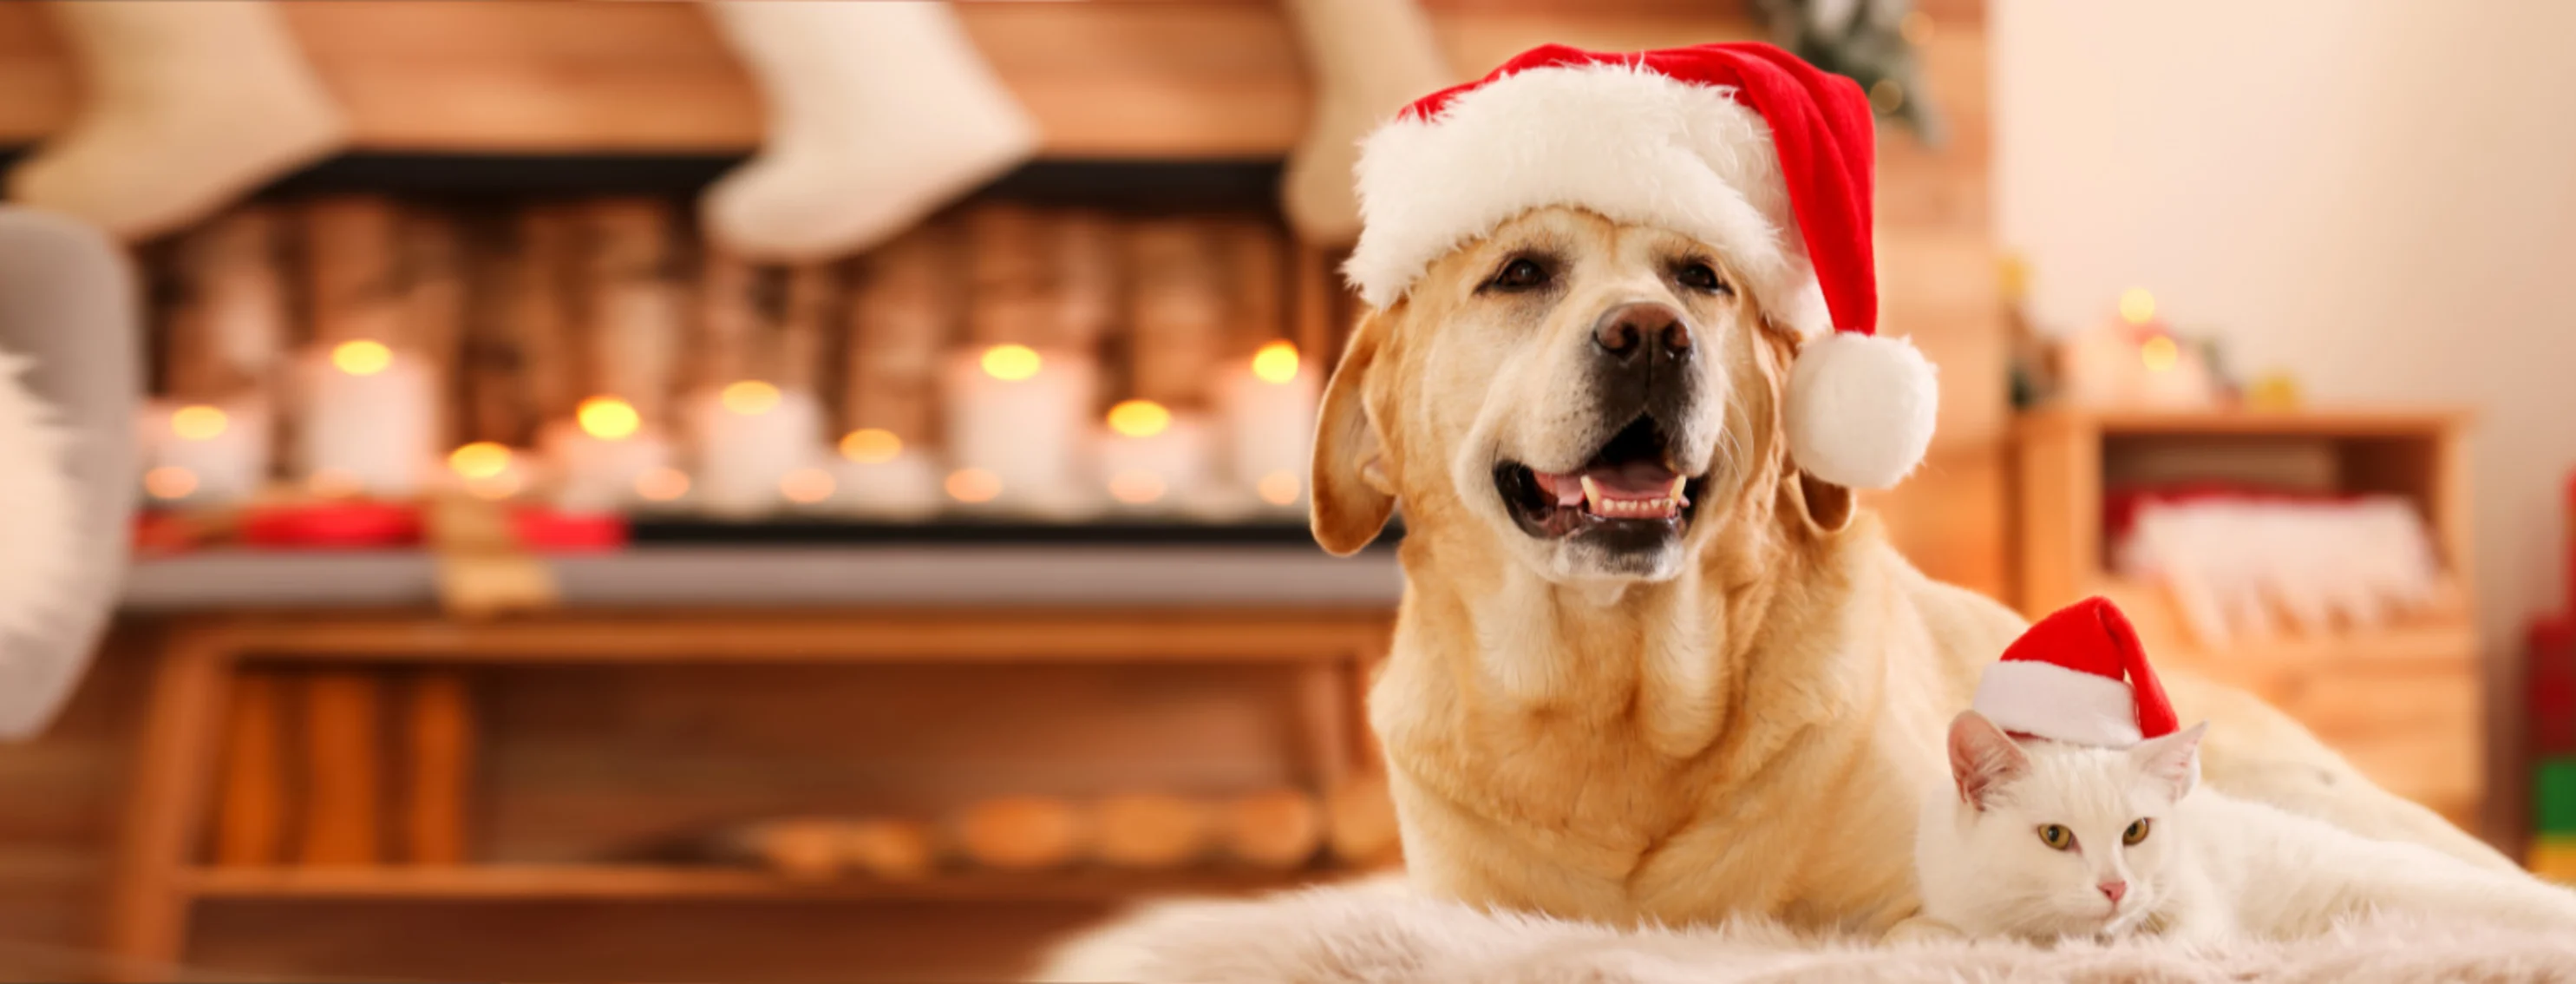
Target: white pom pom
pixel 1861 409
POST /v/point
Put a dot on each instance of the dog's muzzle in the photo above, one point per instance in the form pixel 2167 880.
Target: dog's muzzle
pixel 1630 492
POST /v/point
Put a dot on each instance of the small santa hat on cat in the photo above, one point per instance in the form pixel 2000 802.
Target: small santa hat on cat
pixel 2063 681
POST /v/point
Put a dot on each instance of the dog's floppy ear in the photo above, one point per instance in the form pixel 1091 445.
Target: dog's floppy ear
pixel 1826 506
pixel 1352 498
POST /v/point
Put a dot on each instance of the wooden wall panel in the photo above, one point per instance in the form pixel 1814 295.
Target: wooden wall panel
pixel 1938 285
pixel 1115 79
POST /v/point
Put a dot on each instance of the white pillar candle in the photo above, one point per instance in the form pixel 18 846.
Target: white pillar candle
pixel 1017 423
pixel 367 419
pixel 1151 457
pixel 749 437
pixel 880 477
pixel 207 453
pixel 1269 407
pixel 600 455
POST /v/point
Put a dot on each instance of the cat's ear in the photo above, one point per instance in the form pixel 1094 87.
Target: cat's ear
pixel 2173 760
pixel 1982 758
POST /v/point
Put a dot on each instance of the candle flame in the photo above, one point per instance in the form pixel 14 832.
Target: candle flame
pixel 198 423
pixel 1279 488
pixel 1136 488
pixel 2160 353
pixel 806 486
pixel 2137 307
pixel 973 485
pixel 361 357
pixel 662 484
pixel 481 459
pixel 871 446
pixel 1275 362
pixel 169 482
pixel 1139 418
pixel 1011 363
pixel 608 418
pixel 749 398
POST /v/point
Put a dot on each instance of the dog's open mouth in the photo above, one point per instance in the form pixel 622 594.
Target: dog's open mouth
pixel 1628 487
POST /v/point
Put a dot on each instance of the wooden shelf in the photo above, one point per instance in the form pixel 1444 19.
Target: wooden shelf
pixel 646 883
pixel 783 637
pixel 2402 701
pixel 1277 576
pixel 2444 634
pixel 2301 423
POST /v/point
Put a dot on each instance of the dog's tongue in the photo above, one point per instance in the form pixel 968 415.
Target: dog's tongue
pixel 1634 480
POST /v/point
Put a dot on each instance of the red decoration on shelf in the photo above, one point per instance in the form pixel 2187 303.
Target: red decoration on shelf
pixel 550 531
pixel 352 525
pixel 2549 670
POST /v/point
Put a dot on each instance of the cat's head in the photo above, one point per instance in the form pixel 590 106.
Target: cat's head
pixel 2067 840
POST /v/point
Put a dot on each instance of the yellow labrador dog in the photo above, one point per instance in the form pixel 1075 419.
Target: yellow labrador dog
pixel 1647 669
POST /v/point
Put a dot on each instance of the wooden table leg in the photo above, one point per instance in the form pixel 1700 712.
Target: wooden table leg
pixel 147 916
pixel 1324 723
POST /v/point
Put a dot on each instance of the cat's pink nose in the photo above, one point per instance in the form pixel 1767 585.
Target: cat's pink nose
pixel 2114 890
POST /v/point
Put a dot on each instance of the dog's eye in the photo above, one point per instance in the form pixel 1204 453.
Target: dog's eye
pixel 1701 277
pixel 1520 273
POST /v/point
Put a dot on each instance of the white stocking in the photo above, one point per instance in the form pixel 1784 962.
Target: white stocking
pixel 1370 58
pixel 189 107
pixel 879 113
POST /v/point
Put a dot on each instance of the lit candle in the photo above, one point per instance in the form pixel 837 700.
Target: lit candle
pixel 880 476
pixel 1269 406
pixel 205 454
pixel 750 437
pixel 601 454
pixel 368 419
pixel 488 470
pixel 1017 421
pixel 1152 458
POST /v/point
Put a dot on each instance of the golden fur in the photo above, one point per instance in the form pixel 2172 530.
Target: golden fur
pixel 1740 729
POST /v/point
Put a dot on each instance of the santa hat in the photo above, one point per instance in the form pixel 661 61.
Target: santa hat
pixel 1740 145
pixel 2062 681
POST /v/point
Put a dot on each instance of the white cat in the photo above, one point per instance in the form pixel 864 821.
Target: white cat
pixel 2043 840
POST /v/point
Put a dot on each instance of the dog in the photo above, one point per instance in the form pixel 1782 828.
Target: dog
pixel 1646 668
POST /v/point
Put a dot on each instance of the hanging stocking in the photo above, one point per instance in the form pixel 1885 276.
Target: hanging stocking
pixel 879 113
pixel 68 328
pixel 1370 58
pixel 190 106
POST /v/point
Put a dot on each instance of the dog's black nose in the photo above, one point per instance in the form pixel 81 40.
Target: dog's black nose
pixel 1629 331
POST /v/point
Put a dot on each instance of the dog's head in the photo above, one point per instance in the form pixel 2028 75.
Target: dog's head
pixel 1599 396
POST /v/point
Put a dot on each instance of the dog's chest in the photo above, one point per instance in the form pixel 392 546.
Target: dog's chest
pixel 1584 818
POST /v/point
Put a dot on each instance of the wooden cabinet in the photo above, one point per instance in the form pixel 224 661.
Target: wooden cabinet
pixel 622 729
pixel 2404 701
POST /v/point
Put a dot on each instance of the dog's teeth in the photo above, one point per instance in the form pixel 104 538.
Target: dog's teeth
pixel 1677 498
pixel 1591 495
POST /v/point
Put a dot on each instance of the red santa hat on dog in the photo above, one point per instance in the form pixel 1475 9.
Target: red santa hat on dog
pixel 2063 681
pixel 1740 145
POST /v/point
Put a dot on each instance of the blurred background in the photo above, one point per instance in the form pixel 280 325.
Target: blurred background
pixel 781 492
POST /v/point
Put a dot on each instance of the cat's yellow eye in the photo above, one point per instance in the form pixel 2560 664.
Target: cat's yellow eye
pixel 2136 832
pixel 2056 837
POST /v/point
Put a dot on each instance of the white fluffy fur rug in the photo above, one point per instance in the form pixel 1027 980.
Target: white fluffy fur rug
pixel 1384 934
